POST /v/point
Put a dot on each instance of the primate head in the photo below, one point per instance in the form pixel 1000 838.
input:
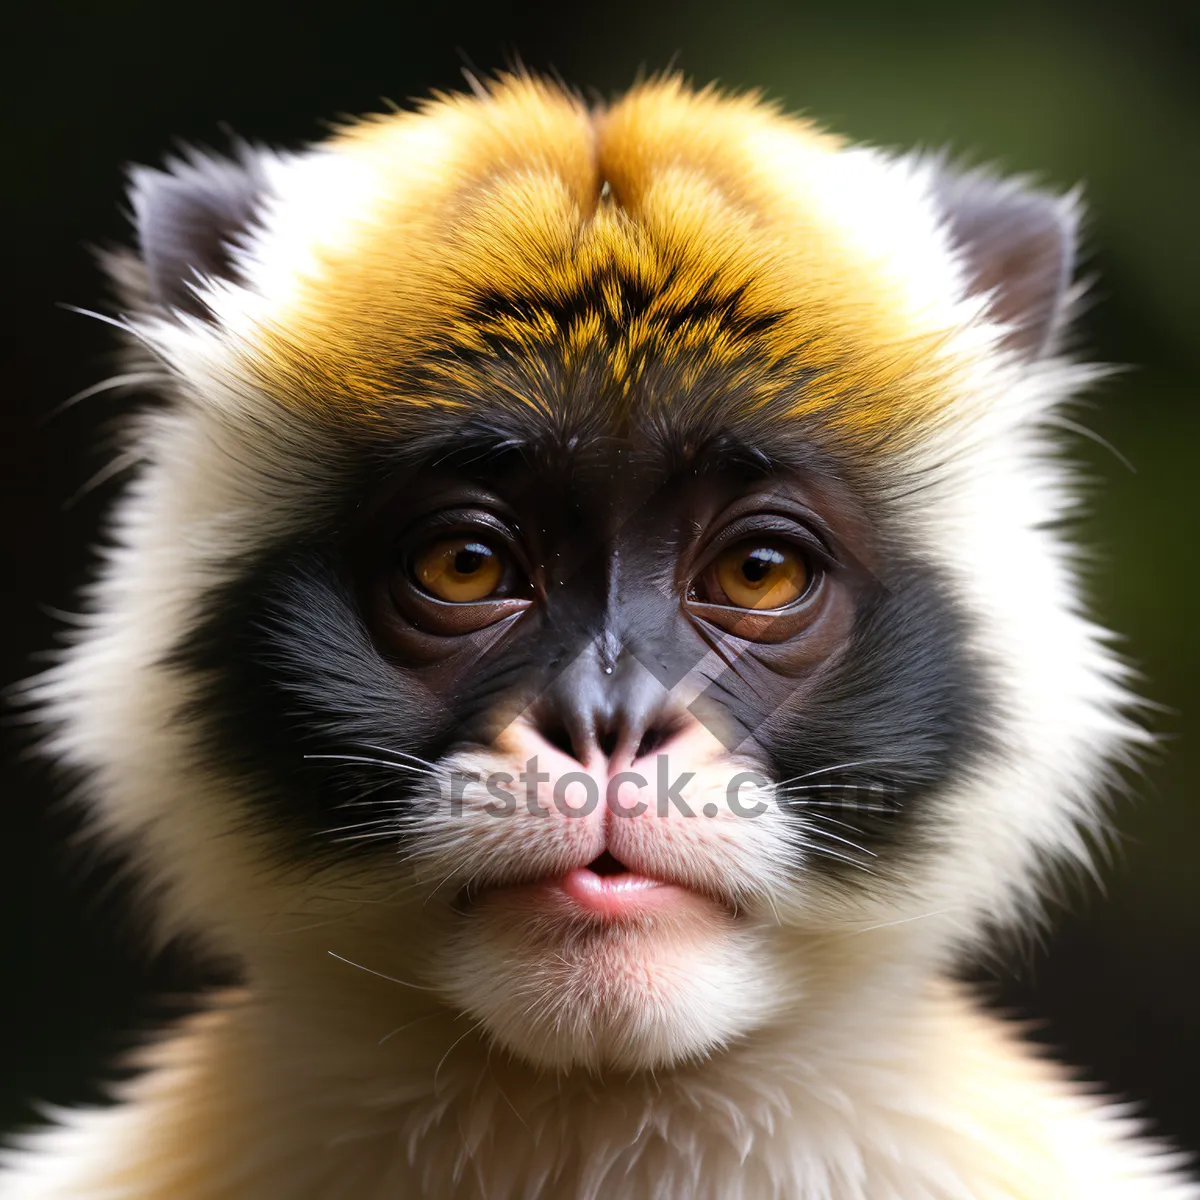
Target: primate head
pixel 597 566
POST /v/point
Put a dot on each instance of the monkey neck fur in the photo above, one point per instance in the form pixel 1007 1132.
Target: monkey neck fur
pixel 309 1101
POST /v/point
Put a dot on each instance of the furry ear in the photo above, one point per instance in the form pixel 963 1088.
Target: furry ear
pixel 190 217
pixel 1018 245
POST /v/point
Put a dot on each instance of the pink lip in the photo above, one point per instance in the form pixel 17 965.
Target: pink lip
pixel 613 896
pixel 605 890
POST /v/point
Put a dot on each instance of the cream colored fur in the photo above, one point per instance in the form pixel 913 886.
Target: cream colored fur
pixel 908 1096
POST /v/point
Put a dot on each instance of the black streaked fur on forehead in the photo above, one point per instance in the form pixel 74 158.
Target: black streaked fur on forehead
pixel 547 398
pixel 715 301
pixel 512 369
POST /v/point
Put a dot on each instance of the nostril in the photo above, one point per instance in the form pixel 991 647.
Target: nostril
pixel 653 739
pixel 608 736
pixel 559 736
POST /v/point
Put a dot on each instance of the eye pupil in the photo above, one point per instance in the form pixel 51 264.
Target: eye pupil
pixel 470 559
pixel 760 563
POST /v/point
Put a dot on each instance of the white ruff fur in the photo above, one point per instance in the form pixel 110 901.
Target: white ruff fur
pixel 907 1098
pixel 812 1053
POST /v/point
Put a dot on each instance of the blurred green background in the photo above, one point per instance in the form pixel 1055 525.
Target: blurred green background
pixel 1106 94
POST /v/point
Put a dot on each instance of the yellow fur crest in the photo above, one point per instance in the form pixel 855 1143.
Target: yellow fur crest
pixel 676 227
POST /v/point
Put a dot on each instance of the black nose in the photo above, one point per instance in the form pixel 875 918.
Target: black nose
pixel 607 705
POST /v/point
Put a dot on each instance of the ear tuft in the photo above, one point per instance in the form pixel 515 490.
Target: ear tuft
pixel 1018 245
pixel 190 218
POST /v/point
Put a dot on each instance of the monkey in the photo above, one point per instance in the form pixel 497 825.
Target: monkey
pixel 593 633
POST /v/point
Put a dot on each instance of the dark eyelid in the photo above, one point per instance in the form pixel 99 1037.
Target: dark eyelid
pixel 488 526
pixel 446 521
pixel 768 527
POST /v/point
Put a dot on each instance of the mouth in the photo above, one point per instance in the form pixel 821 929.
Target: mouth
pixel 607 891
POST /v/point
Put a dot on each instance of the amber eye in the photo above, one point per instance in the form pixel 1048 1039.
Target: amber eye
pixel 460 570
pixel 760 575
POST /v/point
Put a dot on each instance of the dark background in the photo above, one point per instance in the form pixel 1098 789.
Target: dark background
pixel 1105 93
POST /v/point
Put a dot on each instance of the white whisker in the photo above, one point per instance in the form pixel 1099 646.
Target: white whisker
pixel 825 833
pixel 937 912
pixel 380 974
pixel 424 762
pixel 478 1025
pixel 378 762
pixel 827 853
pixel 406 1025
pixel 865 762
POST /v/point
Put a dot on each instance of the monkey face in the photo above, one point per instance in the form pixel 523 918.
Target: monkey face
pixel 624 707
pixel 596 566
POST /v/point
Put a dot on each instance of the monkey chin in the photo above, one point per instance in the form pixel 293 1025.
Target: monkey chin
pixel 673 981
